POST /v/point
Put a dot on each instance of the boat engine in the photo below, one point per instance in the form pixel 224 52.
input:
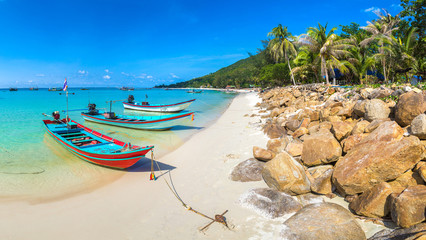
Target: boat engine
pixel 130 99
pixel 56 116
pixel 92 109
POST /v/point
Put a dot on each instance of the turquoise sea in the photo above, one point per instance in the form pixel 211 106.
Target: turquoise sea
pixel 34 167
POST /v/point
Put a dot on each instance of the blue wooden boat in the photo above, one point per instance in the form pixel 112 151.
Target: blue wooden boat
pixel 163 122
pixel 93 146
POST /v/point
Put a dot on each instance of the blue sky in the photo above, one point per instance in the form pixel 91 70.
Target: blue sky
pixel 145 43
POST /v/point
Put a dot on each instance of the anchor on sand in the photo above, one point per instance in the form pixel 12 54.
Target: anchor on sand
pixel 219 218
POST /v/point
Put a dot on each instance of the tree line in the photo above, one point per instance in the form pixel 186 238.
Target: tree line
pixel 388 49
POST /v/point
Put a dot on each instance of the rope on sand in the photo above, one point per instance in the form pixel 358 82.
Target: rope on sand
pixel 219 218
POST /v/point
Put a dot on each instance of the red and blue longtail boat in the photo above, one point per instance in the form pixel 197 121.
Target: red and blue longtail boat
pixel 93 146
pixel 145 106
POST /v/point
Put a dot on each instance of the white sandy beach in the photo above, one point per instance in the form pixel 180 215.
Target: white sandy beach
pixel 135 208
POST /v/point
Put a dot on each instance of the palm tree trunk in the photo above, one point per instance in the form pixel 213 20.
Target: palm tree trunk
pixel 384 63
pixel 324 69
pixel 292 76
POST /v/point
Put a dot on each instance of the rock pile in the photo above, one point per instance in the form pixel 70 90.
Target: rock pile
pixel 363 144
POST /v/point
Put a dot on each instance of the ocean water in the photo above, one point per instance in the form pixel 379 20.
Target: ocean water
pixel 34 167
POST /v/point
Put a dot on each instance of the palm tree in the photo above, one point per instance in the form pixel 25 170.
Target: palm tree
pixel 306 64
pixel 381 32
pixel 402 50
pixel 329 47
pixel 360 63
pixel 282 46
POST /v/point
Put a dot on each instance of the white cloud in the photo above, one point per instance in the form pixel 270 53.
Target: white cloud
pixel 82 72
pixel 125 74
pixel 143 75
pixel 107 77
pixel 40 75
pixel 373 10
pixel 174 75
pixel 30 81
pixel 106 70
pixel 149 77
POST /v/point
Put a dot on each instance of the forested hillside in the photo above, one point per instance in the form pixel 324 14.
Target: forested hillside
pixel 387 49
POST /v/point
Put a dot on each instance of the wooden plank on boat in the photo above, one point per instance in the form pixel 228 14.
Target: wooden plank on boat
pixel 75 137
pixel 86 140
pixel 70 134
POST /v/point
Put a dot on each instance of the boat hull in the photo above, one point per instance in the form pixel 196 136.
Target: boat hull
pixel 164 123
pixel 177 107
pixel 119 160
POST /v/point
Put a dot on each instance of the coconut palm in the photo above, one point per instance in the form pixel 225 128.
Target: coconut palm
pixel 402 51
pixel 381 32
pixel 328 47
pixel 306 64
pixel 282 46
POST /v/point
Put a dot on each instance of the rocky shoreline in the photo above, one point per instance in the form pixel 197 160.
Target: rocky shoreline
pixel 364 144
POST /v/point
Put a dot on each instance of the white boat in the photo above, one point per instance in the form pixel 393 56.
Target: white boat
pixel 145 106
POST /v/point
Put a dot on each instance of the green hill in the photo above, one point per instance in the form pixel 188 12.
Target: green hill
pixel 255 70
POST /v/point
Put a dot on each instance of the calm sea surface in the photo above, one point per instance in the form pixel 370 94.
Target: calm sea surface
pixel 34 167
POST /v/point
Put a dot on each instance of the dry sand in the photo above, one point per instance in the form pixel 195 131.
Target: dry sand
pixel 135 208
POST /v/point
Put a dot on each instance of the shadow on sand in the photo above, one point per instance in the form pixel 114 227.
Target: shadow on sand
pixel 183 127
pixel 144 165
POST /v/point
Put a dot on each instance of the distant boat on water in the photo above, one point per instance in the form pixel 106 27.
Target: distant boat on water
pixel 33 88
pixel 127 88
pixel 55 89
pixel 84 89
pixel 13 89
pixel 194 91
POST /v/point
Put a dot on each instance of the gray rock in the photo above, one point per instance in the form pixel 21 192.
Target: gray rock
pixel 376 109
pixel 359 108
pixel 248 170
pixel 411 233
pixel 270 203
pixel 322 221
pixel 418 126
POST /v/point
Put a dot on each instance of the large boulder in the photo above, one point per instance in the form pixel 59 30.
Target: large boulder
pixel 408 179
pixel 295 148
pixel 422 172
pixel 373 202
pixel 418 126
pixel 285 174
pixel 322 221
pixel 376 109
pixel 351 141
pixel 248 170
pixel 409 207
pixel 278 145
pixel 274 130
pixel 320 148
pixel 387 131
pixel 262 154
pixel 371 163
pixel 341 129
pixel 360 127
pixel 320 177
pixel 409 106
pixel 416 232
pixel 373 125
pixel 270 203
pixel 359 108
